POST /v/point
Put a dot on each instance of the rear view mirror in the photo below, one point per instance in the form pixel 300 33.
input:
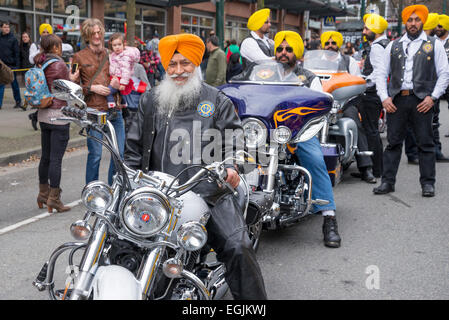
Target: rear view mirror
pixel 70 92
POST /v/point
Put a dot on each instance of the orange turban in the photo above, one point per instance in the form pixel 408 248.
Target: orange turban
pixel 189 45
pixel 419 9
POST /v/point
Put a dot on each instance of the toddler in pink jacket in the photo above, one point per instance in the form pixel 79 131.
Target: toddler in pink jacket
pixel 121 65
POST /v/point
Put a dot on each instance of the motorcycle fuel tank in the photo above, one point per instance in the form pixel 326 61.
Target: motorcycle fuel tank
pixel 278 105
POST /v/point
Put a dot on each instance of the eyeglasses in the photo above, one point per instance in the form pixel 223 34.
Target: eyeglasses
pixel 280 49
pixel 332 43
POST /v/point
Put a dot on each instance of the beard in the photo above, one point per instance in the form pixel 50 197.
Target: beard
pixel 370 36
pixel 414 35
pixel 332 48
pixel 287 64
pixel 441 33
pixel 172 96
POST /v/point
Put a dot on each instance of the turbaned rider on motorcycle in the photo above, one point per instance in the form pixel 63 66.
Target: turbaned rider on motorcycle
pixel 333 40
pixel 169 121
pixel 289 48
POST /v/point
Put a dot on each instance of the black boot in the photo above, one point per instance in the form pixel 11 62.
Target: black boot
pixel 330 231
pixel 33 118
pixel 367 175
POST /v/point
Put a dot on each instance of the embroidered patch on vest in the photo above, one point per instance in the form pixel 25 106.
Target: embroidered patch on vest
pixel 428 47
pixel 265 73
pixel 206 109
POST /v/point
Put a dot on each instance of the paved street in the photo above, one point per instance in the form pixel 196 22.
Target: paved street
pixel 393 246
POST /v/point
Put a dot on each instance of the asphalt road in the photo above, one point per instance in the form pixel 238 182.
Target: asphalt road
pixel 393 246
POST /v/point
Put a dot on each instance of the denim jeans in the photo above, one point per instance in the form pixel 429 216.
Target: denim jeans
pixel 95 150
pixel 15 90
pixel 311 157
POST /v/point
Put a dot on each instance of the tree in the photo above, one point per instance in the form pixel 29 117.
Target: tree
pixel 130 21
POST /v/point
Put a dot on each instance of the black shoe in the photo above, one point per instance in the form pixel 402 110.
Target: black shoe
pixel 384 188
pixel 33 118
pixel 368 176
pixel 330 231
pixel 442 158
pixel 18 105
pixel 413 161
pixel 428 190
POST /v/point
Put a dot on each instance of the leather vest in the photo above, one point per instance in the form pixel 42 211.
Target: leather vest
pixel 446 48
pixel 268 51
pixel 424 71
pixel 368 67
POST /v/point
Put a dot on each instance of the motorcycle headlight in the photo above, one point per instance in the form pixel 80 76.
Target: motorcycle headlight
pixel 255 132
pixel 282 135
pixel 145 212
pixel 192 236
pixel 97 196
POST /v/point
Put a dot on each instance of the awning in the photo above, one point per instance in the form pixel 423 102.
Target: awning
pixel 317 8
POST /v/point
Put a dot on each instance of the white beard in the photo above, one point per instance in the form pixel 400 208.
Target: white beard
pixel 172 97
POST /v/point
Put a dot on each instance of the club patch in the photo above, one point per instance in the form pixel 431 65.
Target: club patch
pixel 428 47
pixel 206 109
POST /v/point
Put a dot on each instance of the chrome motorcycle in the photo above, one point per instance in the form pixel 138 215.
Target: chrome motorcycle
pixel 277 112
pixel 148 236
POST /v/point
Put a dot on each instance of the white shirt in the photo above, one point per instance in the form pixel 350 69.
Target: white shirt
pixel 250 49
pixel 441 66
pixel 376 59
pixel 443 41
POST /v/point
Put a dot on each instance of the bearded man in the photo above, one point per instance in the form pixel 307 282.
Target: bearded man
pixel 183 102
pixel 289 48
pixel 418 70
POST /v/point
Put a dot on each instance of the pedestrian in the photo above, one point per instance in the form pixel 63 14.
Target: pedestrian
pixel 349 49
pixel 24 48
pixel 216 64
pixel 333 40
pixel 44 30
pixel 257 46
pixel 233 48
pixel 154 47
pixel 54 134
pixel 371 106
pixel 94 77
pixel 417 68
pixel 180 103
pixel 10 55
pixel 234 66
pixel 6 74
pixel 150 61
pixel 121 66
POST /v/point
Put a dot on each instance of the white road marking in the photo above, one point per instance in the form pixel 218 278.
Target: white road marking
pixel 36 218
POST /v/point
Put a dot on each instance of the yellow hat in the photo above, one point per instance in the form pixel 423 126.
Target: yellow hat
pixel 189 45
pixel 375 23
pixel 419 9
pixel 258 19
pixel 337 36
pixel 45 26
pixel 293 39
pixel 443 20
pixel 432 21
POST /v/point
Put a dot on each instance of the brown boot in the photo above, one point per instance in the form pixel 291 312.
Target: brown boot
pixel 42 197
pixel 54 201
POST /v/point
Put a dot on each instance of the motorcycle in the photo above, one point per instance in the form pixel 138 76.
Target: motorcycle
pixel 277 112
pixel 148 238
pixel 339 135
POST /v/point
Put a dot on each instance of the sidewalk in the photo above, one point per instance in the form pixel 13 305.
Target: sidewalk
pixel 18 140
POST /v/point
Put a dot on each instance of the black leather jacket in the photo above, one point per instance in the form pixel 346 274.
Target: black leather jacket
pixel 158 143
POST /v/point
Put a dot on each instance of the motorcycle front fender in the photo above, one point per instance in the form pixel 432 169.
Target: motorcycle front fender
pixel 115 283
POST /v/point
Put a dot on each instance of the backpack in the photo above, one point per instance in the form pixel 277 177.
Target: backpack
pixel 36 89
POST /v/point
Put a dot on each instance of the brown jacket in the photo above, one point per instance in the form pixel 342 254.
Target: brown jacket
pixel 54 71
pixel 6 75
pixel 88 63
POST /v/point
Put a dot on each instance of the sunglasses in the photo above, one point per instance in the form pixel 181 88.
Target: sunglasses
pixel 280 49
pixel 332 43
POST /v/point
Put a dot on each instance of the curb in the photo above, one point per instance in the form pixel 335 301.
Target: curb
pixel 18 156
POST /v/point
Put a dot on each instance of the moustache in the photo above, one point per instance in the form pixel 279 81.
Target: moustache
pixel 182 75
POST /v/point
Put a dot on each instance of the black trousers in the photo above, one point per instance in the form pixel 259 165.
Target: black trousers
pixel 421 124
pixel 411 148
pixel 351 111
pixel 370 110
pixel 54 140
pixel 229 238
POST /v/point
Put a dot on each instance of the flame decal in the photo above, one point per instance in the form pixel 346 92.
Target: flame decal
pixel 282 115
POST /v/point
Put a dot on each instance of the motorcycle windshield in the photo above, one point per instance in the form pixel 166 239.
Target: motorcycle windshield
pixel 268 71
pixel 323 61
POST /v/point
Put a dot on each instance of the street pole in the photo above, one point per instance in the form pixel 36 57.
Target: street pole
pixel 130 21
pixel 260 4
pixel 400 17
pixel 362 10
pixel 219 22
pixel 444 6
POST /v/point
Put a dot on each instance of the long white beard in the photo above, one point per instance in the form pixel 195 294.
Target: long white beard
pixel 172 97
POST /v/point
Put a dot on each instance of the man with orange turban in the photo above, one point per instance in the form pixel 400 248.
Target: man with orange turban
pixel 418 72
pixel 257 46
pixel 371 106
pixel 167 136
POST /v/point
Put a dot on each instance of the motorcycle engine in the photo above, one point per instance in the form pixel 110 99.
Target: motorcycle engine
pixel 125 254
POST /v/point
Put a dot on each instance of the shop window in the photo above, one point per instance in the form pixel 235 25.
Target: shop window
pixel 60 6
pixel 115 9
pixel 153 15
pixel 42 5
pixel 17 4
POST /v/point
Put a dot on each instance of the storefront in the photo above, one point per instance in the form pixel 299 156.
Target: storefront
pixel 200 24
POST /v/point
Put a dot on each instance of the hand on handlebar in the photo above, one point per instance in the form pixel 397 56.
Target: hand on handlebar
pixel 232 178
